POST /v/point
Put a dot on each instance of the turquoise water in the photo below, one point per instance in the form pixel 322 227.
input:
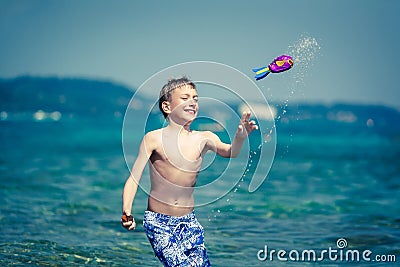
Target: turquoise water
pixel 61 180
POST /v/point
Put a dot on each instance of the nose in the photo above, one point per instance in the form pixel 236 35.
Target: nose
pixel 192 102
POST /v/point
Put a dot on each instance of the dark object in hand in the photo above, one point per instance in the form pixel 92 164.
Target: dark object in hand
pixel 126 218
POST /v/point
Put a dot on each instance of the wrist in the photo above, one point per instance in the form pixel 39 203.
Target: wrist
pixel 238 140
pixel 127 212
pixel 240 137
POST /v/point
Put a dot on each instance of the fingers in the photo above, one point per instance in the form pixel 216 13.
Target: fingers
pixel 245 116
pixel 253 125
pixel 246 127
pixel 128 222
pixel 131 225
pixel 245 120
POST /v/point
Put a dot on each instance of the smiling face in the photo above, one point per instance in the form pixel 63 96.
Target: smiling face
pixel 182 107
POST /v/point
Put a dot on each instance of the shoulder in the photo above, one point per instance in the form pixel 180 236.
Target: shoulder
pixel 210 139
pixel 153 134
pixel 209 135
pixel 152 139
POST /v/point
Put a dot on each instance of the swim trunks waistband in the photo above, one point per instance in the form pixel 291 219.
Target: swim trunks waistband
pixel 169 219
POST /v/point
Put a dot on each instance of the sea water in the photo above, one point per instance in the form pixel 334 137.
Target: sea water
pixel 335 176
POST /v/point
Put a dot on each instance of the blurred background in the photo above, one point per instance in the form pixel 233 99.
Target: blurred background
pixel 69 69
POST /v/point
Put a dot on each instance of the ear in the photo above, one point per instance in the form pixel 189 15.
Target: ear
pixel 166 107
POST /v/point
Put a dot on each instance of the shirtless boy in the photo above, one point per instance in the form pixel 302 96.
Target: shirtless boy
pixel 175 154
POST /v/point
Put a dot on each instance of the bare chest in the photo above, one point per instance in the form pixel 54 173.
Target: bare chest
pixel 181 152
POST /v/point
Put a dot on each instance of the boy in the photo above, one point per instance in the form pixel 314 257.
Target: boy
pixel 175 154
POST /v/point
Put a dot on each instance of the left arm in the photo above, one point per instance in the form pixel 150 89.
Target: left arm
pixel 232 150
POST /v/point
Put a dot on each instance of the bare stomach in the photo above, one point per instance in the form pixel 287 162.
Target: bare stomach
pixel 174 207
pixel 172 195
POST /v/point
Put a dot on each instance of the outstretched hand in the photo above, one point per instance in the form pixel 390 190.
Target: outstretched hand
pixel 246 127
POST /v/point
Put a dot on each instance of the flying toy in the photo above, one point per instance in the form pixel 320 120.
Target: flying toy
pixel 281 63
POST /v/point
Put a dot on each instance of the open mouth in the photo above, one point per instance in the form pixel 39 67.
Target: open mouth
pixel 190 111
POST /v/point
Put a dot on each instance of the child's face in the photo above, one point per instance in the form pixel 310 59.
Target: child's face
pixel 184 104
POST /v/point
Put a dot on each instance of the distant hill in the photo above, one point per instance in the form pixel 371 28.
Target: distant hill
pixel 66 95
pixel 96 99
pixel 340 118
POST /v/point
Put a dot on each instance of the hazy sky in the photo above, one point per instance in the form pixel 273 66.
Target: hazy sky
pixel 128 41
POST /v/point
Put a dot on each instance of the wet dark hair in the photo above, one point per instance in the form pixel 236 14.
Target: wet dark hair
pixel 171 85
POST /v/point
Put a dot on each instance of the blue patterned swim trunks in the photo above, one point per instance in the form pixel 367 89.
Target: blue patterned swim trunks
pixel 176 241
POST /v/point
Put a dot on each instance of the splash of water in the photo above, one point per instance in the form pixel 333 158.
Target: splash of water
pixel 304 52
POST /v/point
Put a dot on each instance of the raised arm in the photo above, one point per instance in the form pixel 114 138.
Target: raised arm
pixel 132 182
pixel 232 150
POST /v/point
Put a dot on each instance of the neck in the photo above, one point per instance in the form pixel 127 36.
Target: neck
pixel 179 127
